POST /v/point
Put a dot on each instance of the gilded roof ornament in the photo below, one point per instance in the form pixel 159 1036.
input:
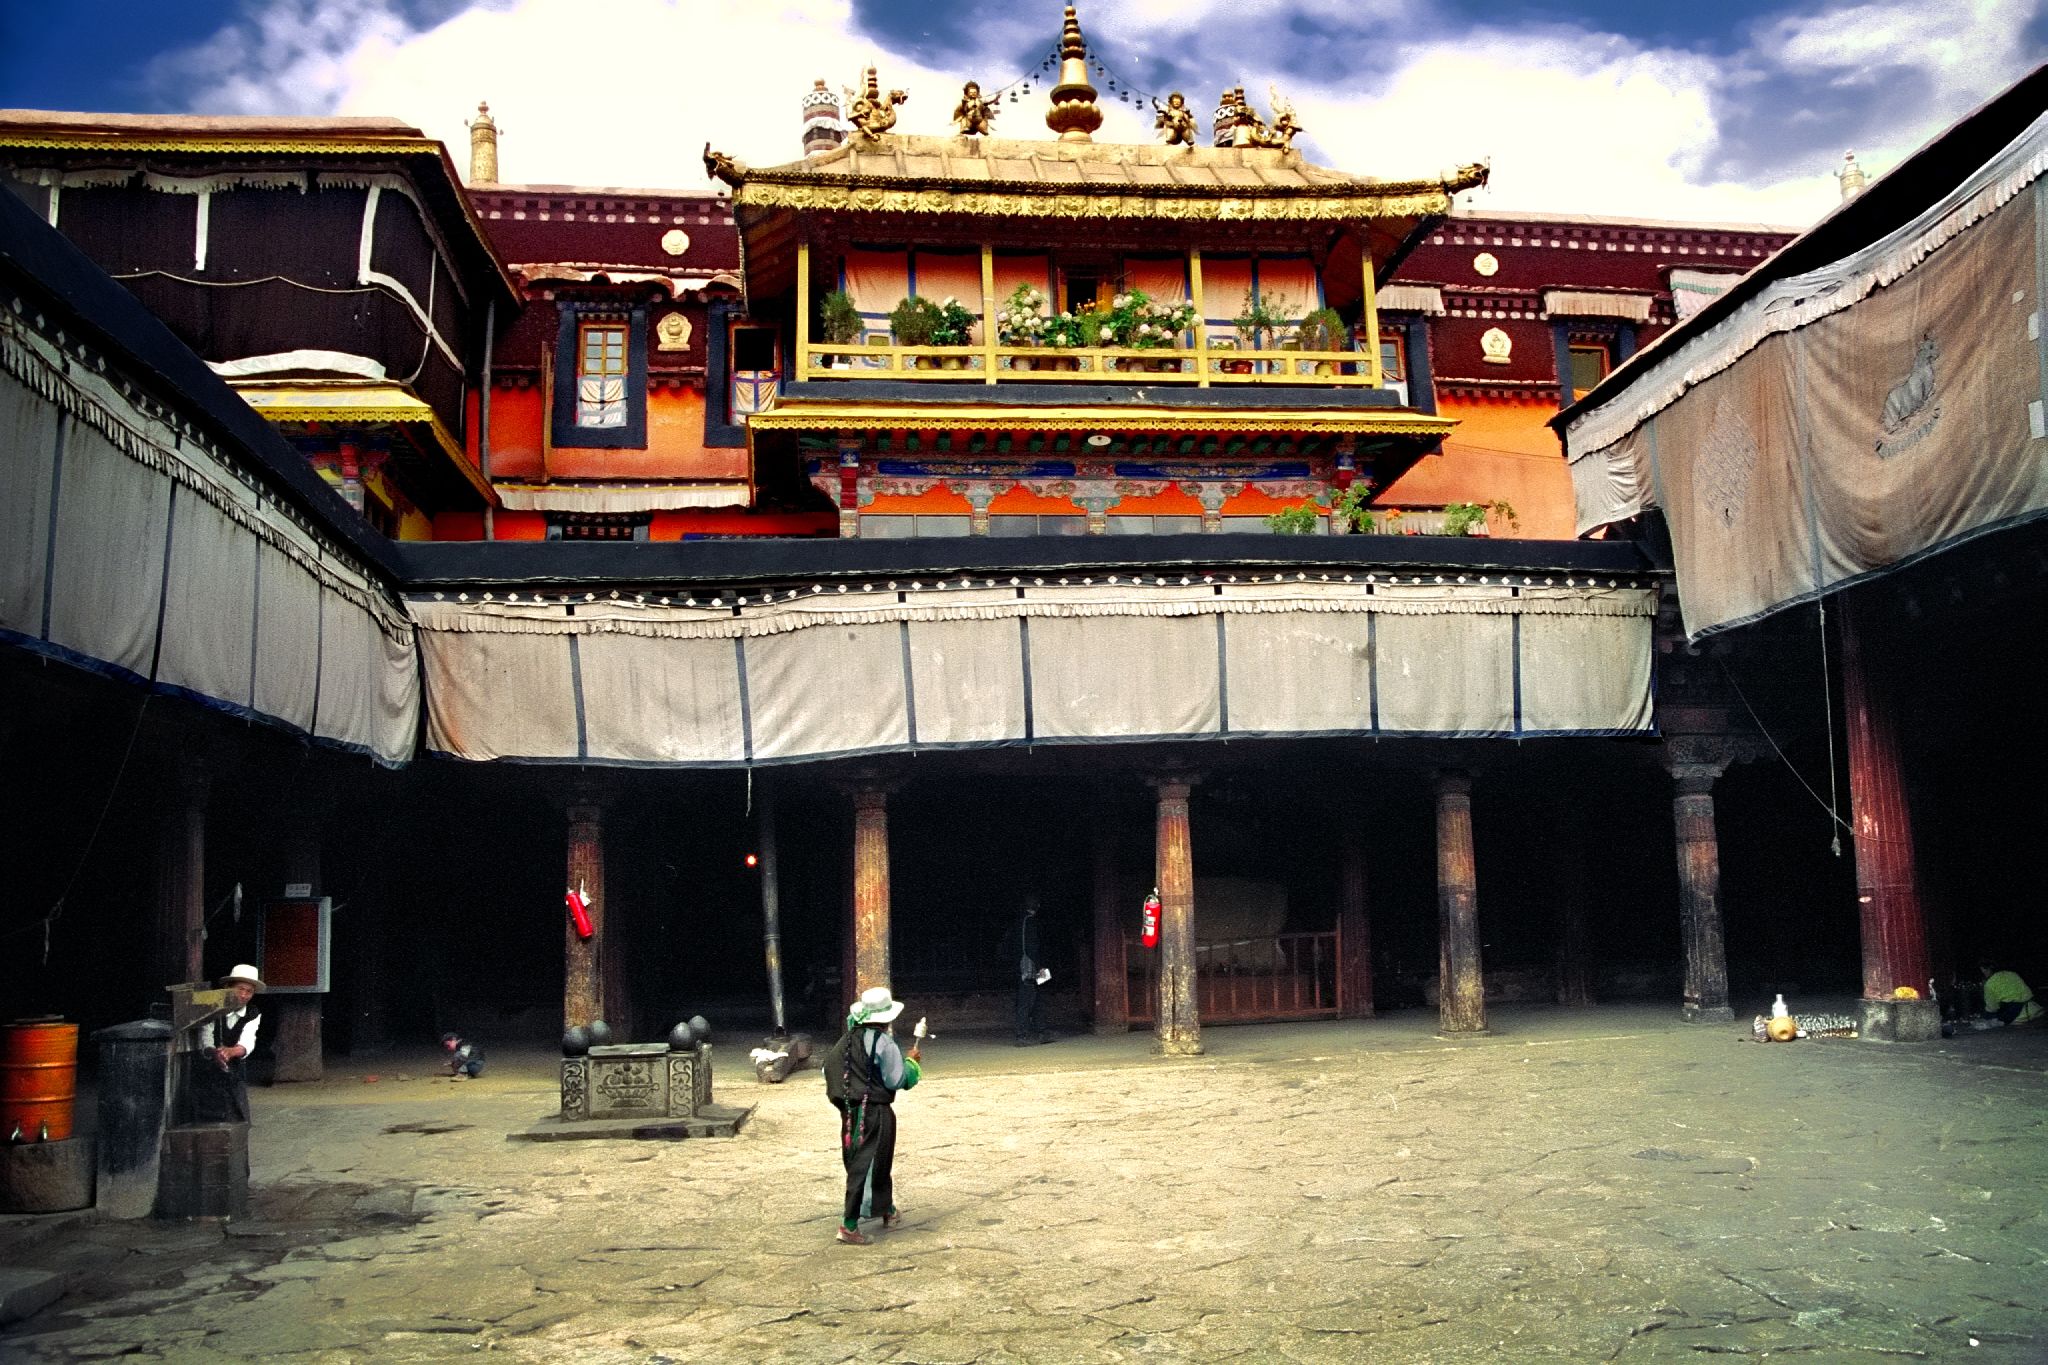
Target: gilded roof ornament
pixel 483 146
pixel 1281 133
pixel 719 166
pixel 872 114
pixel 974 116
pixel 1175 121
pixel 1850 176
pixel 1074 114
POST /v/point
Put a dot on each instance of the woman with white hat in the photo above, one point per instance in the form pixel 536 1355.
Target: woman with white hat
pixel 869 1068
pixel 220 1075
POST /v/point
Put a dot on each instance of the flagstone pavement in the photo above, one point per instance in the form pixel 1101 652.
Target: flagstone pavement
pixel 1589 1185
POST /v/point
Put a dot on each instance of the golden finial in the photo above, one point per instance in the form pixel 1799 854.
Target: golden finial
pixel 1074 114
pixel 871 114
pixel 1850 176
pixel 483 146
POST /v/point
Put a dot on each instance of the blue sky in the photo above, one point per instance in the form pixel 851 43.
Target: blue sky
pixel 1732 111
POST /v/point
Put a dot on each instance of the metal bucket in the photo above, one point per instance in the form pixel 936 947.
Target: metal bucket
pixel 38 1078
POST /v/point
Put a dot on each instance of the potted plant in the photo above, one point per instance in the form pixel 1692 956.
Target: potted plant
pixel 1298 520
pixel 1065 332
pixel 1258 324
pixel 1145 324
pixel 1323 330
pixel 840 324
pixel 955 328
pixel 913 322
pixel 1021 321
pixel 1348 512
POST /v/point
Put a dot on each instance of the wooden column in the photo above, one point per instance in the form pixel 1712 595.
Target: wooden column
pixel 1354 927
pixel 1574 959
pixel 299 1043
pixel 1699 892
pixel 1894 926
pixel 1178 1026
pixel 1461 982
pixel 870 889
pixel 803 308
pixel 181 883
pixel 583 959
pixel 771 915
pixel 1112 1012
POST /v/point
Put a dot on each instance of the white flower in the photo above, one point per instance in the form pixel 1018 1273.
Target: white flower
pixel 1144 329
pixel 1108 334
pixel 1060 340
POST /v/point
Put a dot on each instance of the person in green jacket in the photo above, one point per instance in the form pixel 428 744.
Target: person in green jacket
pixel 2007 999
pixel 873 1069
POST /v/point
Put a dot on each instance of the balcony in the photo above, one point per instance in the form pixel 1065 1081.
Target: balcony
pixel 1199 366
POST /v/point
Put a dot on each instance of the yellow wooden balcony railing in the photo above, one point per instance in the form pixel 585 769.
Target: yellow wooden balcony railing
pixel 1084 365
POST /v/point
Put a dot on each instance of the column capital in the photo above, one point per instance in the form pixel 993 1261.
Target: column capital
pixel 1695 779
pixel 1173 786
pixel 1452 782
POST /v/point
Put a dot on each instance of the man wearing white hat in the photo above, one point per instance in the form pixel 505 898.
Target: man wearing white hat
pixel 220 1075
pixel 869 1069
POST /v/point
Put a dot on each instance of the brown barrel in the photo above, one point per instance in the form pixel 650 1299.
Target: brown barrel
pixel 205 1171
pixel 38 1078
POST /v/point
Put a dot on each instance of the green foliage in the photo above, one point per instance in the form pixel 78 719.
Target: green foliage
pixel 838 320
pixel 1136 319
pixel 1298 520
pixel 1349 505
pixel 1022 320
pixel 1258 324
pixel 914 321
pixel 1323 330
pixel 1065 329
pixel 956 324
pixel 1470 518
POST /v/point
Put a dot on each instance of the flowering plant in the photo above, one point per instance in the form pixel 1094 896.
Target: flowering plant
pixel 1022 320
pixel 1066 329
pixel 1134 318
pixel 955 324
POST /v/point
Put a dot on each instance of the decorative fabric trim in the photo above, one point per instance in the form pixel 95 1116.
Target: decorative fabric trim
pixel 93 400
pixel 225 181
pixel 720 623
pixel 621 498
pixel 1411 298
pixel 1800 300
pixel 1580 303
pixel 332 362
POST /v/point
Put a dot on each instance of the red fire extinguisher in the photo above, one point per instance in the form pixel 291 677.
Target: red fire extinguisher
pixel 1150 933
pixel 579 911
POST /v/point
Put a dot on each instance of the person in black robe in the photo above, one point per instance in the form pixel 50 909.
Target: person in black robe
pixel 220 1069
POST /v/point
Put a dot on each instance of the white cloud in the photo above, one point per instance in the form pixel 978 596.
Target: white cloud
pixel 627 92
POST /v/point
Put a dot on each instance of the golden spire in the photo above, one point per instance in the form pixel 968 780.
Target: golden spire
pixel 1074 115
pixel 1850 176
pixel 483 146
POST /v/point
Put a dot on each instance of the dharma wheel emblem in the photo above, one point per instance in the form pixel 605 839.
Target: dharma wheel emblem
pixel 1486 263
pixel 675 241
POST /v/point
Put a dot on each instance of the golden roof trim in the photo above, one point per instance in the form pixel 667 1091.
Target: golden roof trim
pixel 314 401
pixel 1232 204
pixel 811 415
pixel 214 142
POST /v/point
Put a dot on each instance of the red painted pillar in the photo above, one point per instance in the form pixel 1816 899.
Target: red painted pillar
pixel 583 959
pixel 1354 928
pixel 870 889
pixel 1461 982
pixel 1178 1025
pixel 1894 927
pixel 1112 987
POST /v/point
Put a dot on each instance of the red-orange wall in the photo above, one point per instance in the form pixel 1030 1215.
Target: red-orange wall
pixel 675 442
pixel 1500 450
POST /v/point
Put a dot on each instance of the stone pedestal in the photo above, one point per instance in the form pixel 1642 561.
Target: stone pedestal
pixel 46 1177
pixel 1901 1021
pixel 636 1081
pixel 205 1172
pixel 134 1072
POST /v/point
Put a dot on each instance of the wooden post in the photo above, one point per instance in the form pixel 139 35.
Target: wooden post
pixel 1112 984
pixel 1369 309
pixel 298 1044
pixel 803 308
pixel 1354 927
pixel 1178 1026
pixel 1894 926
pixel 1201 317
pixel 1699 893
pixel 989 340
pixel 1461 982
pixel 870 889
pixel 1574 961
pixel 181 882
pixel 582 975
pixel 771 915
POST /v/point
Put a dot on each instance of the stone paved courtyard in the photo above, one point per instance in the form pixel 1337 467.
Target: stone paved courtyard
pixel 1581 1186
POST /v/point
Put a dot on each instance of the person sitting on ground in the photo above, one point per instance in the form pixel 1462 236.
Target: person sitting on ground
pixel 465 1061
pixel 2007 999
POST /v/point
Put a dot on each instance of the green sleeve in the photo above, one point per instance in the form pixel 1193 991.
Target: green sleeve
pixel 912 1072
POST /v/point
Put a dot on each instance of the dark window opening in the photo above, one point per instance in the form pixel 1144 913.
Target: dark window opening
pixel 599 525
pixel 753 348
pixel 1590 363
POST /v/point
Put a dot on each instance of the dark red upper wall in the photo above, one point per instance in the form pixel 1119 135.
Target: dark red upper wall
pixel 533 224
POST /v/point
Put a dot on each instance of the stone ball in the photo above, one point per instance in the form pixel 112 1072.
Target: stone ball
pixel 600 1033
pixel 681 1038
pixel 700 1026
pixel 575 1041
